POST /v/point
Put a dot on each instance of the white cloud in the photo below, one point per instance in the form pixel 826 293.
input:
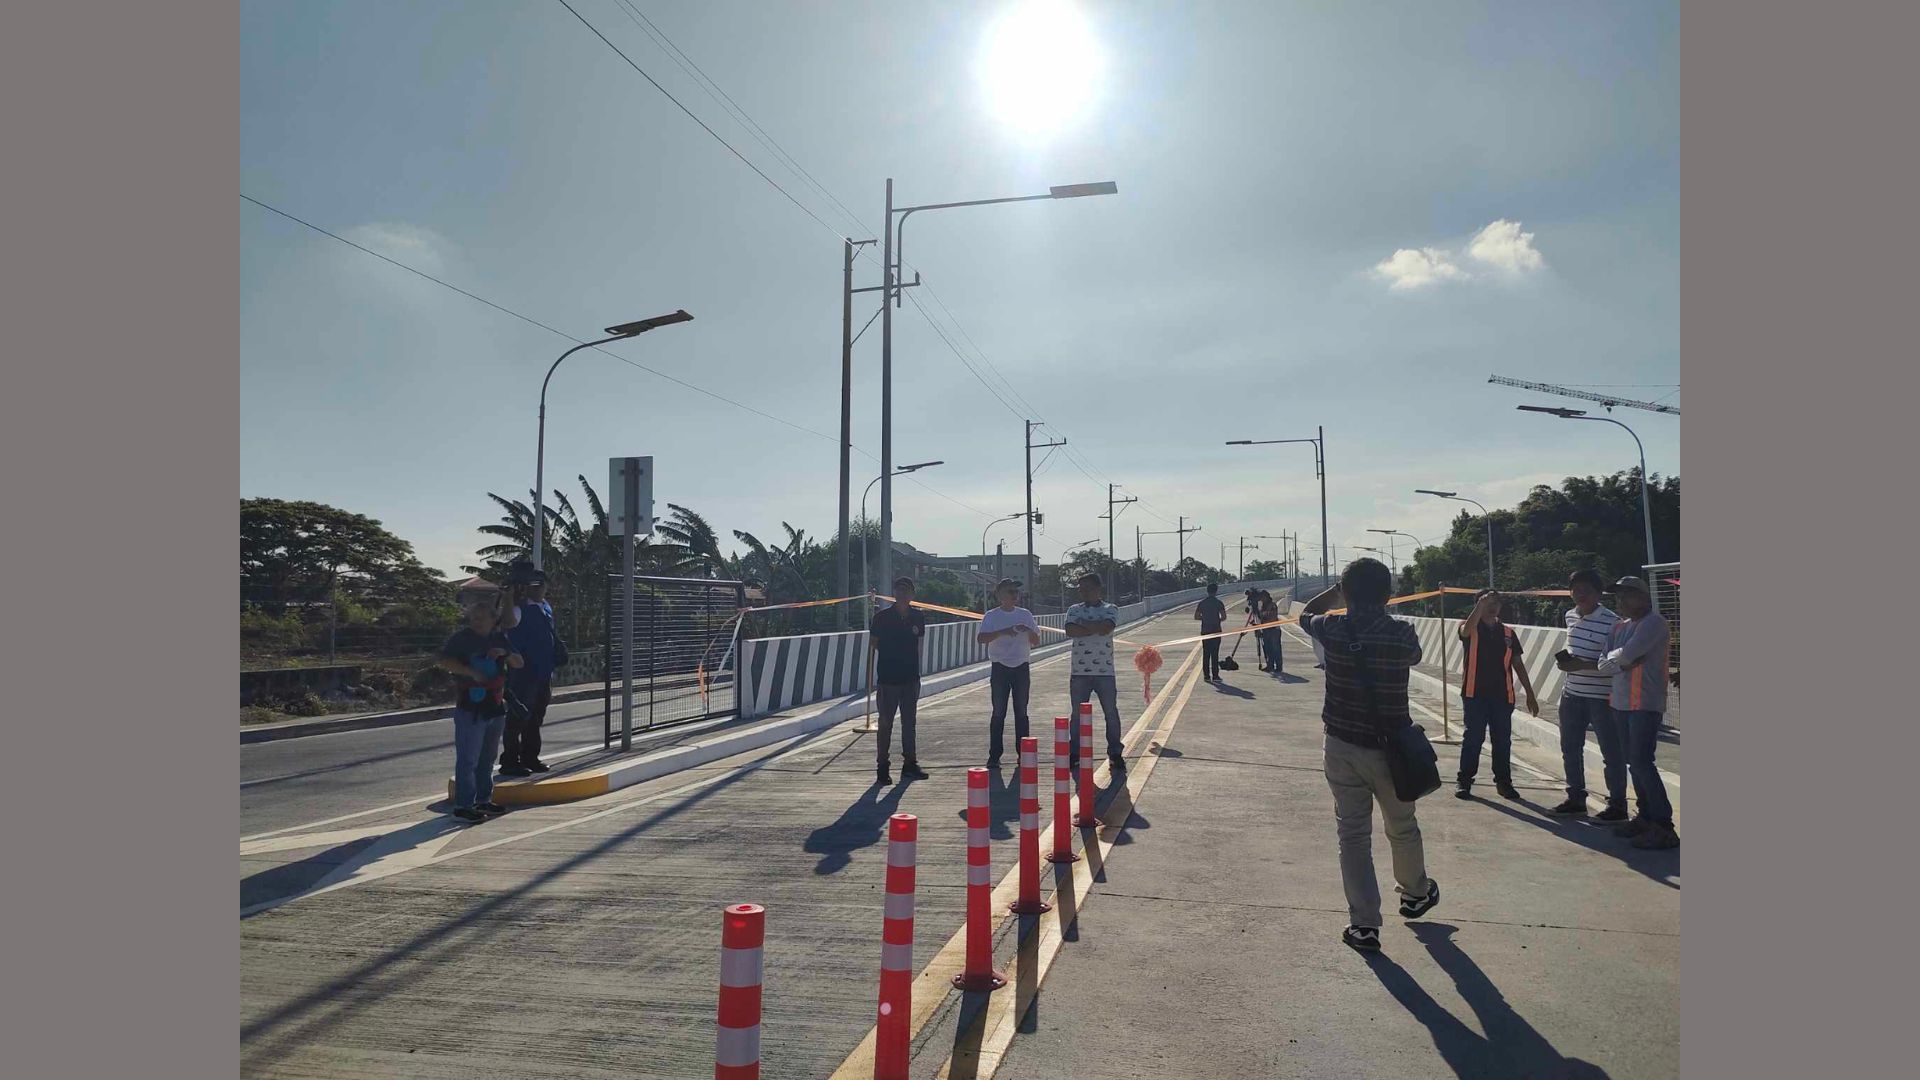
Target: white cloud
pixel 1416 269
pixel 1500 247
pixel 1504 247
pixel 421 248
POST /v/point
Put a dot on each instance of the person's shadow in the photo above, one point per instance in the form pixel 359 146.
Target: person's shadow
pixel 860 825
pixel 1511 1047
pixel 1003 800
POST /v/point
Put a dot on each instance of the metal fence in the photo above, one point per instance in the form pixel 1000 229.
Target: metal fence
pixel 682 649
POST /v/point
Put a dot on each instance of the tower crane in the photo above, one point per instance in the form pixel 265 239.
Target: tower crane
pixel 1608 401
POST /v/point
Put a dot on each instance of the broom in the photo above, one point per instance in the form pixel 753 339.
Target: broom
pixel 1227 662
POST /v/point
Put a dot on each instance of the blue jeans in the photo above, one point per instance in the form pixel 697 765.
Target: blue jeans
pixel 1577 714
pixel 1273 649
pixel 1483 714
pixel 1643 738
pixel 1085 688
pixel 476 742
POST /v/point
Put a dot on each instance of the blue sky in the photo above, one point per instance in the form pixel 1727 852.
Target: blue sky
pixel 1335 214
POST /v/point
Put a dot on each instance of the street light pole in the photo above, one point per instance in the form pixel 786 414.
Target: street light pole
pixel 1455 496
pixel 1319 442
pixel 614 333
pixel 891 296
pixel 1646 501
pixel 1033 570
pixel 866 583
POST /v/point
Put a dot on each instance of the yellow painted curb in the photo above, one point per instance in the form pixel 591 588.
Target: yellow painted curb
pixel 546 791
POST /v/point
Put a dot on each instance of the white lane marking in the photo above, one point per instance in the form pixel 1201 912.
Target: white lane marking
pixel 390 806
pixel 361 871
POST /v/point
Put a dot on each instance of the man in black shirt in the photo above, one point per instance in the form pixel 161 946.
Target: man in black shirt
pixel 1212 614
pixel 893 666
pixel 1362 706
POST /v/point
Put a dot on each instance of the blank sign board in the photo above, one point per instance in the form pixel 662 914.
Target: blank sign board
pixel 630 478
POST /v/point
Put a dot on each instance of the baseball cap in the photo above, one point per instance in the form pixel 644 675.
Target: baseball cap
pixel 1632 584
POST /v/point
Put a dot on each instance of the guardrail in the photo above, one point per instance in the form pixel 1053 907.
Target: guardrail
pixel 783 673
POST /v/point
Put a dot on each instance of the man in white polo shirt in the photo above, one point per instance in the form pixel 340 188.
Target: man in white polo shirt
pixel 1583 703
pixel 1009 635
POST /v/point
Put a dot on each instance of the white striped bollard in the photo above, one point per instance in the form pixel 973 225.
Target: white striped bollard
pixel 1029 902
pixel 1062 795
pixel 979 973
pixel 891 1034
pixel 737 1047
pixel 1085 819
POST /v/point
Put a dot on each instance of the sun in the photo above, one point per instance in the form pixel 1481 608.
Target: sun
pixel 1040 66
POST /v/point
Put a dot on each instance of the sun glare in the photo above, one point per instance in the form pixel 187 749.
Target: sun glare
pixel 1040 66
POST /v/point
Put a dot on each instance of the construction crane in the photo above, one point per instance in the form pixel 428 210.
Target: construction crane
pixel 1607 401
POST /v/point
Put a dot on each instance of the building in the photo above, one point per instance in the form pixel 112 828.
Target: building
pixel 979 573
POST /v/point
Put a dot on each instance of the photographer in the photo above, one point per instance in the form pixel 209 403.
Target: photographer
pixel 1491 660
pixel 1361 709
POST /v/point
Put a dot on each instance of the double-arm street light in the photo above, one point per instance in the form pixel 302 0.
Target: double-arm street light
pixel 1319 442
pixel 614 333
pixel 1646 502
pixel 890 262
pixel 1455 496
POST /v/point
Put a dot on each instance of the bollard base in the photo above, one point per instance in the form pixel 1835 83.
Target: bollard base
pixel 1034 907
pixel 1056 857
pixel 989 982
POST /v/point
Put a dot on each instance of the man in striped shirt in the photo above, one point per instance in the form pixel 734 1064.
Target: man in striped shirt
pixel 1583 703
pixel 1638 654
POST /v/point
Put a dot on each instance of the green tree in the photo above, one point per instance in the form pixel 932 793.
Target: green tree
pixel 294 551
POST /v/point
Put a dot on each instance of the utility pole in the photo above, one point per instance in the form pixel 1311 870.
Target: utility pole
pixel 1243 557
pixel 1182 530
pixel 1113 557
pixel 1033 568
pixel 844 572
pixel 1139 562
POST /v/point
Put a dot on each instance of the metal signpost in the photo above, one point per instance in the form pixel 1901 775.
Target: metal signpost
pixel 630 486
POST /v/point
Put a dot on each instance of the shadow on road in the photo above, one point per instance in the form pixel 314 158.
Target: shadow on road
pixel 860 825
pixel 1661 866
pixel 1511 1047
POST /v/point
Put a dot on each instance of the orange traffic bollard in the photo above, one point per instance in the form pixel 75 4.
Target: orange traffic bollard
pixel 737 1047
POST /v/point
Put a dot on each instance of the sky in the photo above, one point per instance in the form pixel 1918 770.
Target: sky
pixel 1328 215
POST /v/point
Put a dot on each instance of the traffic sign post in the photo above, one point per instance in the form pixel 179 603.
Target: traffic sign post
pixel 630 485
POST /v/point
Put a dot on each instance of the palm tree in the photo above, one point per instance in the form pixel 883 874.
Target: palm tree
pixel 692 543
pixel 786 564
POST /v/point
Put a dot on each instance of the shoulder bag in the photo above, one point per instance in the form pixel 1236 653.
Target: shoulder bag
pixel 1410 758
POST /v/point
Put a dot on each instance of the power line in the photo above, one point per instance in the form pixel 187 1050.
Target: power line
pixel 703 124
pixel 531 321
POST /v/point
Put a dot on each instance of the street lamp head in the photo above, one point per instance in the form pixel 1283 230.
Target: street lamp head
pixel 1075 191
pixel 634 329
pixel 1430 491
pixel 1388 532
pixel 918 466
pixel 1239 442
pixel 1564 414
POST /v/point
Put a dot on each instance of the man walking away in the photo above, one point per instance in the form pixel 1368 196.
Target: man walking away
pixel 537 641
pixel 1009 635
pixel 480 656
pixel 1584 702
pixel 1362 707
pixel 1491 659
pixel 1212 614
pixel 893 663
pixel 1090 624
pixel 1638 654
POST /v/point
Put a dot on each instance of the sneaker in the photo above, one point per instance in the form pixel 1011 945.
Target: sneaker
pixel 912 771
pixel 884 776
pixel 993 761
pixel 1365 938
pixel 515 770
pixel 1573 807
pixel 538 766
pixel 491 809
pixel 1117 764
pixel 1414 907
pixel 1612 813
pixel 1657 838
pixel 1509 792
pixel 1463 791
pixel 470 815
pixel 1633 828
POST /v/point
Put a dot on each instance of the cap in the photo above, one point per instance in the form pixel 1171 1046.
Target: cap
pixel 1632 584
